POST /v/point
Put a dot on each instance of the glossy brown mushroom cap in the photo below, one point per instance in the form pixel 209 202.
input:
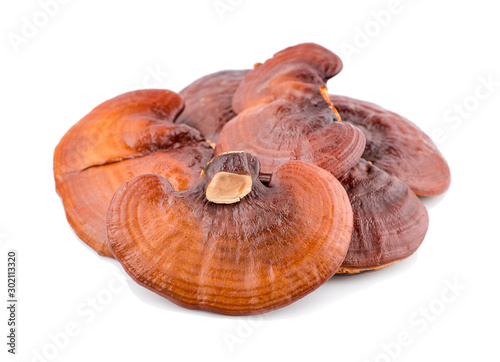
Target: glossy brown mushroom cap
pixel 397 146
pixel 208 102
pixel 305 130
pixel 390 222
pixel 280 76
pixel 126 136
pixel 274 246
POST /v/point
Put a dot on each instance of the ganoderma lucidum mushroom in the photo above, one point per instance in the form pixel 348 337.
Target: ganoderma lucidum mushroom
pixel 289 74
pixel 397 146
pixel 236 234
pixel 230 244
pixel 126 136
pixel 281 131
pixel 284 114
pixel 390 221
pixel 208 102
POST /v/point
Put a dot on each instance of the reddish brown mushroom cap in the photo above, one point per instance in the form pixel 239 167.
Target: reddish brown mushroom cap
pixel 397 146
pixel 284 114
pixel 390 222
pixel 272 247
pixel 208 102
pixel 126 136
pixel 282 131
pixel 286 74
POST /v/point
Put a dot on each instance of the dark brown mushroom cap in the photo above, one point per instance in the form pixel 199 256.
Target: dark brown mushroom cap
pixel 305 130
pixel 208 102
pixel 397 146
pixel 279 77
pixel 274 246
pixel 126 136
pixel 390 222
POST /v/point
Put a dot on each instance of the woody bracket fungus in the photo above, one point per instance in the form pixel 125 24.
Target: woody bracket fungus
pixel 397 146
pixel 284 114
pixel 129 135
pixel 230 244
pixel 208 102
pixel 289 74
pixel 390 221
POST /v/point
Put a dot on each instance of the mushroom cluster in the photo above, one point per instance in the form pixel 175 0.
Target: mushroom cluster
pixel 250 188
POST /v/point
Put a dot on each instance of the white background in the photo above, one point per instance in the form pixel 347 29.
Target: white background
pixel 425 61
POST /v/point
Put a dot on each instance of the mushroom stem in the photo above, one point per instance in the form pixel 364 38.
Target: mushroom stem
pixel 228 188
pixel 230 177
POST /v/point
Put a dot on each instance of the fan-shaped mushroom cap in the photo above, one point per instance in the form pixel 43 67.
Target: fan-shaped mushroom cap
pixel 281 131
pixel 126 136
pixel 284 113
pixel 287 70
pixel 208 102
pixel 268 248
pixel 397 146
pixel 390 222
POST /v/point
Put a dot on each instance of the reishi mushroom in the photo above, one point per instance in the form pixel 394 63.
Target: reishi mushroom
pixel 284 114
pixel 397 146
pixel 281 131
pixel 230 244
pixel 289 74
pixel 126 136
pixel 390 221
pixel 304 184
pixel 208 102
